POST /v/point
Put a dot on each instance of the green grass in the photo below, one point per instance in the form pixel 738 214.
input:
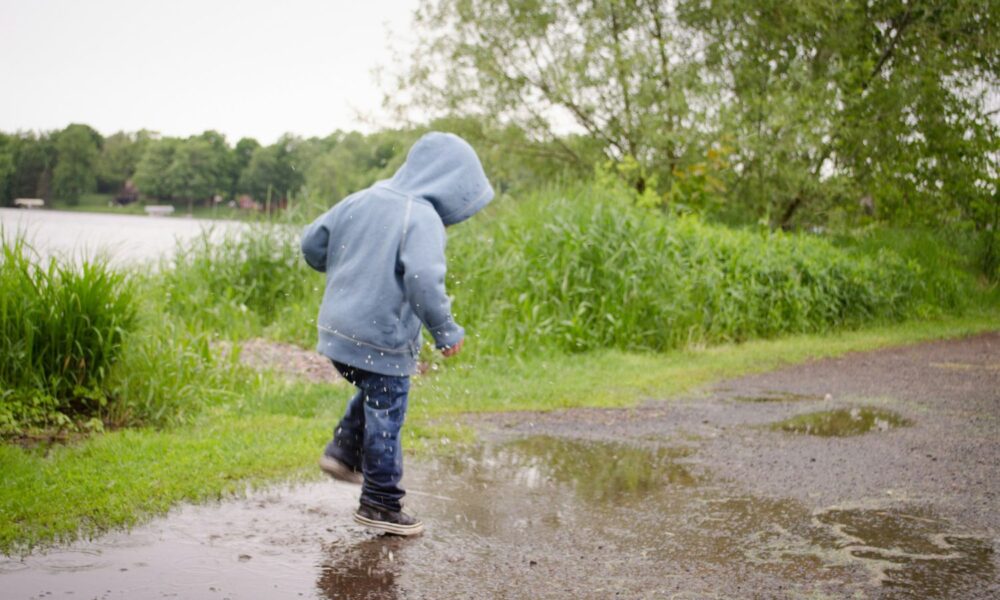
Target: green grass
pixel 614 378
pixel 274 433
pixel 243 283
pixel 62 329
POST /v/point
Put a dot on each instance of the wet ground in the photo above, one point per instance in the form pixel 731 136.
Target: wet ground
pixel 869 476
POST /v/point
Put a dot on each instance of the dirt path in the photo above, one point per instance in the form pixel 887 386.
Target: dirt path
pixel 698 497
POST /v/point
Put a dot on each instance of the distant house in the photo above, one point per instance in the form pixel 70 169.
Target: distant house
pixel 128 194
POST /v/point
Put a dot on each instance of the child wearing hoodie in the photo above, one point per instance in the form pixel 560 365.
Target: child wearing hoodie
pixel 382 250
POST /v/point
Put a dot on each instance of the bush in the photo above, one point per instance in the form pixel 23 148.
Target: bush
pixel 61 331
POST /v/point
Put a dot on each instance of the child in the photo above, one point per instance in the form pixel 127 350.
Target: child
pixel 382 250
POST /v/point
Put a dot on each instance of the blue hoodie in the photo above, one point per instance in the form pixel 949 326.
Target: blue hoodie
pixel 382 250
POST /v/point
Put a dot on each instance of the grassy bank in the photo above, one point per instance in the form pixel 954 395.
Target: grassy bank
pixel 57 493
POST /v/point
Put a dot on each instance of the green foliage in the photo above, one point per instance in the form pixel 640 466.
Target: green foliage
pixel 835 102
pixel 272 171
pixel 120 156
pixel 86 347
pixel 353 161
pixel 77 149
pixel 152 175
pixel 32 157
pixel 583 268
pixel 622 72
pixel 169 373
pixel 840 111
pixel 239 282
pixel 62 332
pixel 8 167
pixel 948 256
pixel 193 169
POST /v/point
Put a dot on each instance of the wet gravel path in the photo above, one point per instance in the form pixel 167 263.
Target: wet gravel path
pixel 949 457
pixel 696 497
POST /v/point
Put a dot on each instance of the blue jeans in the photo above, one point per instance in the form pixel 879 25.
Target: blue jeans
pixel 367 437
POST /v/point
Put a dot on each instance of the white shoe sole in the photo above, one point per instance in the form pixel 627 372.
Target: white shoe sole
pixel 404 530
pixel 339 471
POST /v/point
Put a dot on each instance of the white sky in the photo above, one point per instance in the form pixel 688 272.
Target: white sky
pixel 243 67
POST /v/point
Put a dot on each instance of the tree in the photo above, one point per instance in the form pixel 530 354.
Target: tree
pixel 242 154
pixel 880 99
pixel 152 174
pixel 747 109
pixel 353 162
pixel 34 155
pixel 120 156
pixel 77 150
pixel 8 155
pixel 273 171
pixel 621 71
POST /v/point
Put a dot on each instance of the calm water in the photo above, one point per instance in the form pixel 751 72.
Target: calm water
pixel 124 239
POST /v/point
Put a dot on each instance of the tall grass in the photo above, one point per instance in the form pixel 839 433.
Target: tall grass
pixel 579 268
pixel 61 331
pixel 242 283
pixel 582 268
pixel 170 372
pixel 85 346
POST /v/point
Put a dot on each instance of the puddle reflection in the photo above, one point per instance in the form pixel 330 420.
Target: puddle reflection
pixel 364 571
pixel 842 422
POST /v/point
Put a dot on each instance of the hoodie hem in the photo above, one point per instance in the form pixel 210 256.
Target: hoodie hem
pixel 399 362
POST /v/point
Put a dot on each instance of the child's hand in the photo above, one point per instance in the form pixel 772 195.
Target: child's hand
pixel 453 350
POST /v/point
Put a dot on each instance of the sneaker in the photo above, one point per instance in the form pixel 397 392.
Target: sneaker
pixel 398 523
pixel 338 469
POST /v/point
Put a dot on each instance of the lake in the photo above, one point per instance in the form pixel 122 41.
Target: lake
pixel 122 239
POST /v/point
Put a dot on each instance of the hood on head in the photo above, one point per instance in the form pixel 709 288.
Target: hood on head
pixel 443 169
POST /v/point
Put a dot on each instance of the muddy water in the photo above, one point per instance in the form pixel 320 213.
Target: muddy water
pixel 537 516
pixel 842 422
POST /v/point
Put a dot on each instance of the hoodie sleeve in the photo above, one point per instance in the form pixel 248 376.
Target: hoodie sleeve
pixel 422 258
pixel 315 240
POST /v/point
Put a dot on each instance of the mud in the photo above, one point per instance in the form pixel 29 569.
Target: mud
pixel 695 497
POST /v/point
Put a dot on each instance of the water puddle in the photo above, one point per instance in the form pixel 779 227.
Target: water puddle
pixel 842 422
pixel 531 517
pixel 911 553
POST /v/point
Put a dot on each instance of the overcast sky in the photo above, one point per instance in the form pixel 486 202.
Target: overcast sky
pixel 243 67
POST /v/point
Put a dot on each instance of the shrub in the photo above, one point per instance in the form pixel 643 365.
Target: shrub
pixel 61 331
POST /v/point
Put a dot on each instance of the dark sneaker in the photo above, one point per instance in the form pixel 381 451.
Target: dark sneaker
pixel 338 469
pixel 398 523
